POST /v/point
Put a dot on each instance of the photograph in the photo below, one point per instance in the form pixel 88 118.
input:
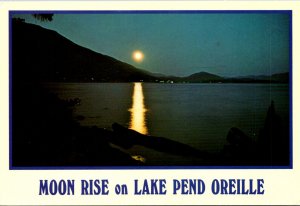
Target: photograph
pixel 150 89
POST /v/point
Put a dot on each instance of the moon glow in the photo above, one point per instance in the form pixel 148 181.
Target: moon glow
pixel 137 56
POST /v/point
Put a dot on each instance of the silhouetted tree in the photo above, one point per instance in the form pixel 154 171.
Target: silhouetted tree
pixel 43 17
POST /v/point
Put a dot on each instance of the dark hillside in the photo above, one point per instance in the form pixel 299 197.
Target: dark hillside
pixel 46 55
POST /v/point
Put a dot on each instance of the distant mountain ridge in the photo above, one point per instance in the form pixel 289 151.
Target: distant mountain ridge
pixel 44 55
pixel 274 78
pixel 203 77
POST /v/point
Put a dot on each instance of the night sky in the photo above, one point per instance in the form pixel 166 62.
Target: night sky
pixel 226 44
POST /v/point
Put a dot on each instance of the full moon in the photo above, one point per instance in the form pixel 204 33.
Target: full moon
pixel 138 56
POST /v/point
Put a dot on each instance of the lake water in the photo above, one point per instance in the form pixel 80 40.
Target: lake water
pixel 199 115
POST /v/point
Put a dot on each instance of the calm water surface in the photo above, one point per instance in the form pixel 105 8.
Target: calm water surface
pixel 199 115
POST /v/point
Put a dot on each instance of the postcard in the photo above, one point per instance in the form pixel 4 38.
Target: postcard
pixel 149 103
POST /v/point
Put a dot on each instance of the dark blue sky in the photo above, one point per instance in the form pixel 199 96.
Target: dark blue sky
pixel 227 44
